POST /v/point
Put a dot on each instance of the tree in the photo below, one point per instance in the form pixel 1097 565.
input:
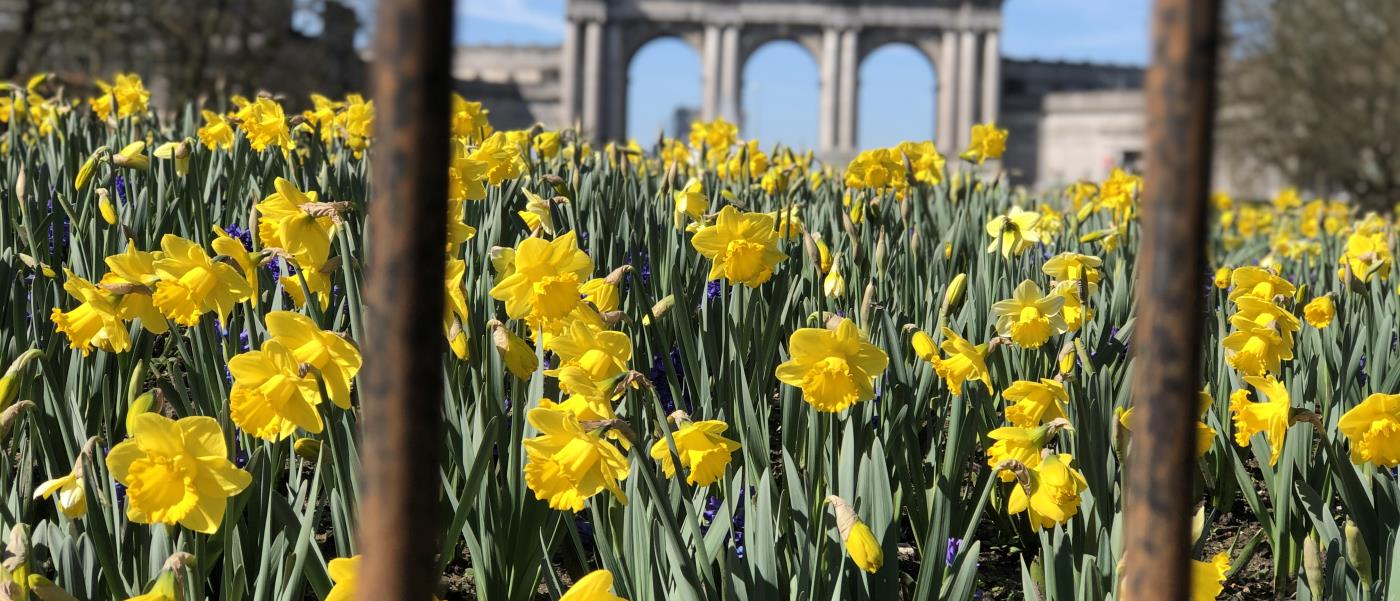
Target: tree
pixel 1312 87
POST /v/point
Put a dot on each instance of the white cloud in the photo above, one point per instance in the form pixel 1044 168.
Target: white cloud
pixel 513 12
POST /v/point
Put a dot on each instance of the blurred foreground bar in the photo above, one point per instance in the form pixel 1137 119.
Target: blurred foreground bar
pixel 402 385
pixel 1180 116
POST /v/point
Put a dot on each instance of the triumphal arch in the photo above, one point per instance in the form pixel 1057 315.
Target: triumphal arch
pixel 960 38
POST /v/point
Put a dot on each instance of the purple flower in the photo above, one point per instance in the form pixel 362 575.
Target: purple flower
pixel 713 288
pixel 119 184
pixel 951 553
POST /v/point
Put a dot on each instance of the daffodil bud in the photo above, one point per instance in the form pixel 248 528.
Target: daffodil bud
pixel 880 250
pixel 1312 566
pixel 924 347
pixel 132 157
pixel 662 306
pixel 307 448
pixel 1357 554
pixel 11 381
pixel 152 401
pixel 105 208
pixel 88 168
pixel 519 358
pixel 865 551
pixel 46 590
pixel 9 417
pixel 834 285
pixel 953 294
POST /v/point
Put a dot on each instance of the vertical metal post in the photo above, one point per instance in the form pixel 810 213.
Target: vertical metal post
pixel 402 383
pixel 1180 98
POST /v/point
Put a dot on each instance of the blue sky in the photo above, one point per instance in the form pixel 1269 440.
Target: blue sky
pixel 780 80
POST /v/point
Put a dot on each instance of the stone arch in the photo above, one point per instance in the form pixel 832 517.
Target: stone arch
pixel 640 120
pixel 918 118
pixel 753 38
pixel 794 100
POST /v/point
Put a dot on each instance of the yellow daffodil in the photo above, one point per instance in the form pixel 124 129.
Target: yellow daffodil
pixel 1019 444
pixel 1222 277
pixel 216 132
pixel 1053 495
pixel 72 494
pixel 334 357
pixel 191 283
pixel 1074 310
pixel 503 159
pixel 1014 232
pixel 988 142
pixel 879 170
pixel 1259 283
pixel 835 368
pixel 1035 402
pixel 596 586
pixel 924 160
pixel 1271 418
pixel 470 120
pixel 603 355
pixel 569 464
pixel 176 472
pixel 264 123
pixel 175 151
pixel 95 323
pixel 272 394
pixel 537 215
pixel 1366 255
pixel 1373 429
pixel 126 95
pixel 964 362
pixel 704 451
pixel 1074 267
pixel 544 284
pixel 691 201
pixel 454 308
pixel 1208 578
pixel 742 247
pixel 1320 312
pixel 605 293
pixel 1030 317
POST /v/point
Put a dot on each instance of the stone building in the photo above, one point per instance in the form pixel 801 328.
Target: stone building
pixel 184 50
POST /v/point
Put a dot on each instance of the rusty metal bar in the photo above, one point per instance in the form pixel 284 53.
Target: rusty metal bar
pixel 1180 96
pixel 402 383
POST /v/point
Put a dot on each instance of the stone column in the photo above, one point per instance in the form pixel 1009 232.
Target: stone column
pixel 846 106
pixel 592 87
pixel 615 98
pixel 830 90
pixel 729 69
pixel 569 110
pixel 947 68
pixel 967 87
pixel 991 76
pixel 709 74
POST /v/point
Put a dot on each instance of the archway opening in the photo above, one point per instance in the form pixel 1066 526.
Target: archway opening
pixel 663 90
pixel 898 97
pixel 780 95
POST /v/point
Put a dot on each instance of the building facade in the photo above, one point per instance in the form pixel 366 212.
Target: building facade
pixel 1069 121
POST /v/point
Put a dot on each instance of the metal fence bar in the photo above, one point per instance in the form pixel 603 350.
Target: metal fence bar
pixel 1180 96
pixel 402 383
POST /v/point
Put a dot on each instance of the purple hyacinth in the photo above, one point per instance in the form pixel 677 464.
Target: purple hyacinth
pixel 713 288
pixel 119 184
pixel 951 553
